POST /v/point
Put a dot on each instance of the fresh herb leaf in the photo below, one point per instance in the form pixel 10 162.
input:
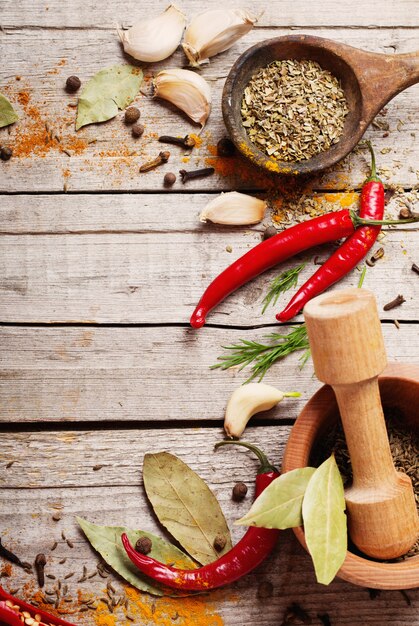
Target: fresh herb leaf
pixel 7 113
pixel 264 355
pixel 285 281
pixel 324 519
pixel 109 90
pixel 185 505
pixel 361 278
pixel 279 505
pixel 107 541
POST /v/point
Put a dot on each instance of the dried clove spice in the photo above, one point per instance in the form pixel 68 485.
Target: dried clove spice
pixel 159 160
pixel 185 142
pixel 394 303
pixel 201 173
pixel 40 562
pixel 295 614
pixel 9 556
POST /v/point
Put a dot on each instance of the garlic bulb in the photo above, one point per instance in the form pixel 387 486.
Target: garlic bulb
pixel 214 31
pixel 234 208
pixel 186 90
pixel 154 39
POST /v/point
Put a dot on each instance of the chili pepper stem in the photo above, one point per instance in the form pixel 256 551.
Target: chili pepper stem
pixel 292 394
pixel 359 221
pixel 373 175
pixel 265 465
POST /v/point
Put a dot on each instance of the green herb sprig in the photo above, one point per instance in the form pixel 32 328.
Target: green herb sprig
pixel 285 281
pixel 264 355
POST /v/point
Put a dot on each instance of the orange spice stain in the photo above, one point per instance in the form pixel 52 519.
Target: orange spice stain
pixel 35 135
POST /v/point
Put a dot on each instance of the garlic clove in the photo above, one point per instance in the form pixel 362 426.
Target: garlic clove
pixel 234 208
pixel 214 31
pixel 154 39
pixel 248 400
pixel 186 90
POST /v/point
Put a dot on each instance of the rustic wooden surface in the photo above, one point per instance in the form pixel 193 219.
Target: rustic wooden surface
pixel 100 269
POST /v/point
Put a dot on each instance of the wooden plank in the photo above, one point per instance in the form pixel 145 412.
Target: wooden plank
pixel 155 262
pixel 143 374
pixel 112 161
pixel 28 528
pixel 390 13
pixel 45 460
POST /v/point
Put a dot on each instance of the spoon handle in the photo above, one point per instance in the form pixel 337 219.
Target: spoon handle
pixel 382 76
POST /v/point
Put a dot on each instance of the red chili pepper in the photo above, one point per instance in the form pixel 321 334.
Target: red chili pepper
pixel 268 253
pixel 247 554
pixel 350 253
pixel 11 617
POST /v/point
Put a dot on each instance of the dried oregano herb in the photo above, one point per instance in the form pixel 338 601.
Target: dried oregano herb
pixel 293 110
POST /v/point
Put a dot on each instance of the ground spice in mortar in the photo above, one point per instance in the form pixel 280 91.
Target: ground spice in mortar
pixel 293 110
pixel 404 445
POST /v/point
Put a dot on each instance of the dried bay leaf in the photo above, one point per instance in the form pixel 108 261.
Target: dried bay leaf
pixel 7 113
pixel 324 519
pixel 110 89
pixel 185 505
pixel 107 541
pixel 279 505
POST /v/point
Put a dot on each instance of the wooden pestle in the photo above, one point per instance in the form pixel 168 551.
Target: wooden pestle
pixel 348 353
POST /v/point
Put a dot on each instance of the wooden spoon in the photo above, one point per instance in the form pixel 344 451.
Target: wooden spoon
pixel 348 353
pixel 369 81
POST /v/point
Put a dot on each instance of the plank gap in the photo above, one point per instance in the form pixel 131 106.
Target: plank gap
pixel 101 426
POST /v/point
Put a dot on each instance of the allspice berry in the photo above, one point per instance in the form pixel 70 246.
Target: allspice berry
pixel 269 232
pixel 219 543
pixel 405 213
pixel 143 545
pixel 132 115
pixel 239 492
pixel 137 130
pixel 72 84
pixel 225 147
pixel 6 153
pixel 169 179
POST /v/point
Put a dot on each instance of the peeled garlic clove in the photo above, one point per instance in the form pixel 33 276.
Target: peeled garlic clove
pixel 154 39
pixel 214 31
pixel 186 90
pixel 249 400
pixel 234 208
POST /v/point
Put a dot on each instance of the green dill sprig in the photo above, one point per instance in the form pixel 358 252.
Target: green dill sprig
pixel 283 282
pixel 262 355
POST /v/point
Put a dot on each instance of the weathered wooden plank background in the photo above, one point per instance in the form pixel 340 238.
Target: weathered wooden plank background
pixel 97 362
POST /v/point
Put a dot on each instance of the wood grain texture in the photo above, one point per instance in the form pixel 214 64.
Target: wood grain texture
pixel 147 259
pixel 28 528
pixel 144 374
pixel 112 161
pixel 89 15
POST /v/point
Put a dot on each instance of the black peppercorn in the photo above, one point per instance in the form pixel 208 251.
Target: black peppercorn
pixel 143 545
pixel 137 130
pixel 5 153
pixel 239 492
pixel 72 84
pixel 219 543
pixel 169 179
pixel 132 115
pixel 269 232
pixel 225 147
pixel 40 562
